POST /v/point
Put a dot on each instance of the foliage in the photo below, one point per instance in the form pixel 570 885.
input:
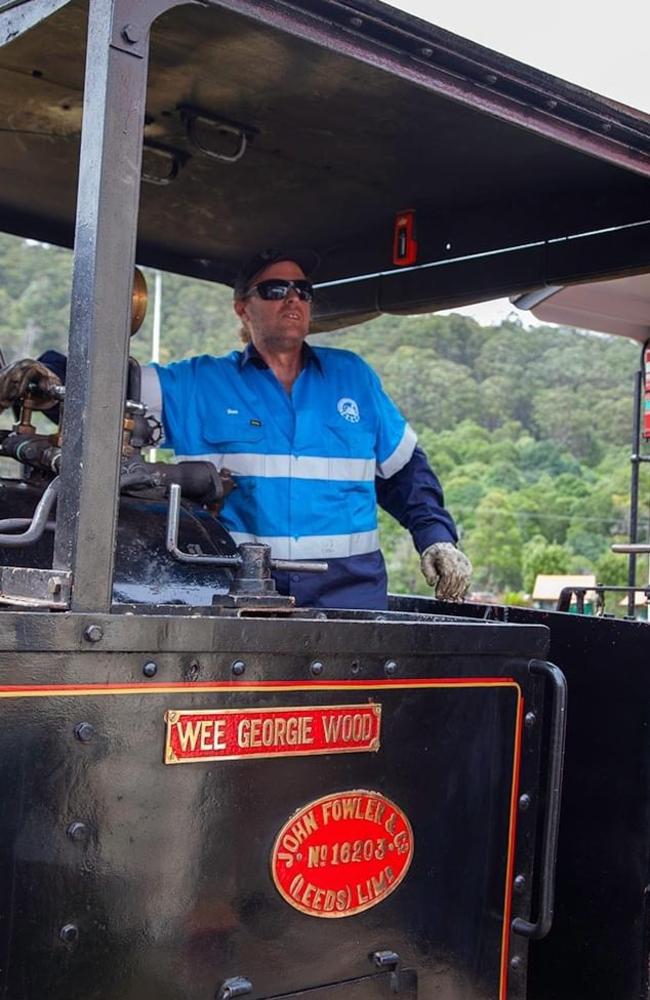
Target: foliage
pixel 528 429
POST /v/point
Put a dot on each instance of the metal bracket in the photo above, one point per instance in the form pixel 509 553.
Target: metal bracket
pixel 35 588
pixel 18 16
pixel 132 20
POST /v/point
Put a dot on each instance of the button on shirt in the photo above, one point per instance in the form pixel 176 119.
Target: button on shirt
pixel 305 463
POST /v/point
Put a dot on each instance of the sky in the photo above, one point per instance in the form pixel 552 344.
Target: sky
pixel 604 47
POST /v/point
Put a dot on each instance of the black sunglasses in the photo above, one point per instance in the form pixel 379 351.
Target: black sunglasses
pixel 274 289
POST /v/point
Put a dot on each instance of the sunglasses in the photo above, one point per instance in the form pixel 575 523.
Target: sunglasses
pixel 275 289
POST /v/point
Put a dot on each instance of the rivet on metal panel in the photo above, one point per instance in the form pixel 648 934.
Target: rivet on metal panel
pixel 606 126
pixel 390 668
pixel 529 720
pixel 524 802
pixel 516 962
pixel 69 933
pixel 491 78
pixel 238 668
pixel 130 34
pixel 385 959
pixel 77 832
pixel 93 633
pixel 150 669
pixel 356 22
pixel 84 732
pixel 316 668
pixel 426 52
pixel 519 883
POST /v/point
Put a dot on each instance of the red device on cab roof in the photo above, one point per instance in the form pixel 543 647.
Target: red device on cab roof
pixel 405 244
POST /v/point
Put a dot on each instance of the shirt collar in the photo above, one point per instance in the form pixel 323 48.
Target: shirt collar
pixel 251 355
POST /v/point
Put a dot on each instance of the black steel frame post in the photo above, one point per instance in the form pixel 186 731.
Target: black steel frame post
pixel 635 462
pixel 105 237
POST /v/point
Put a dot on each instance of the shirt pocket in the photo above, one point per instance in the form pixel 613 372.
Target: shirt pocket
pixel 348 440
pixel 236 444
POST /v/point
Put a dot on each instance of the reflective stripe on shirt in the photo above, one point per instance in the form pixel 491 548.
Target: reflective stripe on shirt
pixel 400 456
pixel 314 546
pixel 359 470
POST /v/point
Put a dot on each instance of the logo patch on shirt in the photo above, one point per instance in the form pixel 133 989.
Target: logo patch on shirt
pixel 254 422
pixel 348 409
pixel 231 412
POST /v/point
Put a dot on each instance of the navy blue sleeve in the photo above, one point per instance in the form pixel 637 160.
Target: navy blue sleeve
pixel 413 496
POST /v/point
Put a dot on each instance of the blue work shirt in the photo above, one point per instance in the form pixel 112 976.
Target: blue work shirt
pixel 274 436
pixel 305 463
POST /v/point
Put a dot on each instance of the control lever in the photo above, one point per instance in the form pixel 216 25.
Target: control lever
pixel 253 558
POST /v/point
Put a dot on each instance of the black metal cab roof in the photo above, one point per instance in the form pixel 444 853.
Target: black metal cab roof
pixel 311 124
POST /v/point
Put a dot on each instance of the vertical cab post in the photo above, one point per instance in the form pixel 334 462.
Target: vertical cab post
pixel 106 225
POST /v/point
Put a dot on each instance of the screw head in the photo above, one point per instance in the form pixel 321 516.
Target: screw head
pixel 356 22
pixel 529 720
pixel 84 732
pixel 516 962
pixel 69 933
pixel 390 668
pixel 551 104
pixel 519 883
pixel 426 52
pixel 150 668
pixel 77 832
pixel 238 668
pixel 93 633
pixel 524 802
pixel 316 668
pixel 491 78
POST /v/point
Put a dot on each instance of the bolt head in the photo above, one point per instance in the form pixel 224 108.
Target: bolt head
pixel 54 585
pixel 84 732
pixel 316 668
pixel 150 668
pixel 238 668
pixel 426 52
pixel 77 832
pixel 519 883
pixel 356 22
pixel 390 668
pixel 529 720
pixel 69 933
pixel 130 34
pixel 516 962
pixel 524 802
pixel 93 633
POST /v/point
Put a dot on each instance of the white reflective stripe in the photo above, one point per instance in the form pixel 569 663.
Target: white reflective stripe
pixel 400 456
pixel 293 466
pixel 151 392
pixel 314 546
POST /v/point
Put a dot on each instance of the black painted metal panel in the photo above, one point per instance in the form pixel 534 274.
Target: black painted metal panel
pixel 166 890
pixel 599 947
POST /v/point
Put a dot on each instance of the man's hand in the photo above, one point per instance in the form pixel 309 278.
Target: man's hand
pixel 448 569
pixel 16 378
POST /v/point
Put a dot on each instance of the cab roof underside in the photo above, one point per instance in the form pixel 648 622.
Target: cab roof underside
pixel 352 112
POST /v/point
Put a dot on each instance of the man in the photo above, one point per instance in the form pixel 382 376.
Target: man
pixel 313 443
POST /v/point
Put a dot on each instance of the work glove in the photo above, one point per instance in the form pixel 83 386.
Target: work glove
pixel 447 569
pixel 16 377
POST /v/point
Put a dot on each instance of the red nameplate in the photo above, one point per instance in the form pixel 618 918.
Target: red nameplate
pixel 228 734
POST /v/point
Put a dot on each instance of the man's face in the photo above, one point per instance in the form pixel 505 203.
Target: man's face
pixel 280 325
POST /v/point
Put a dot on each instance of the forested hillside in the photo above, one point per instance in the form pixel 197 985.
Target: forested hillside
pixel 528 428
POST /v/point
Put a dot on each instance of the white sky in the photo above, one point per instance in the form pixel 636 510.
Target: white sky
pixel 604 47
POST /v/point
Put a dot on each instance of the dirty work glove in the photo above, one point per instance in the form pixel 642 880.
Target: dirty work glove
pixel 15 378
pixel 448 569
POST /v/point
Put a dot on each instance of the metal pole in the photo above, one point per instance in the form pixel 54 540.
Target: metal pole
pixel 634 486
pixel 107 213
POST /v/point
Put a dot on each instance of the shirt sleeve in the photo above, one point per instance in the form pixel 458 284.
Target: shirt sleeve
pixel 414 497
pixel 168 392
pixel 396 439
